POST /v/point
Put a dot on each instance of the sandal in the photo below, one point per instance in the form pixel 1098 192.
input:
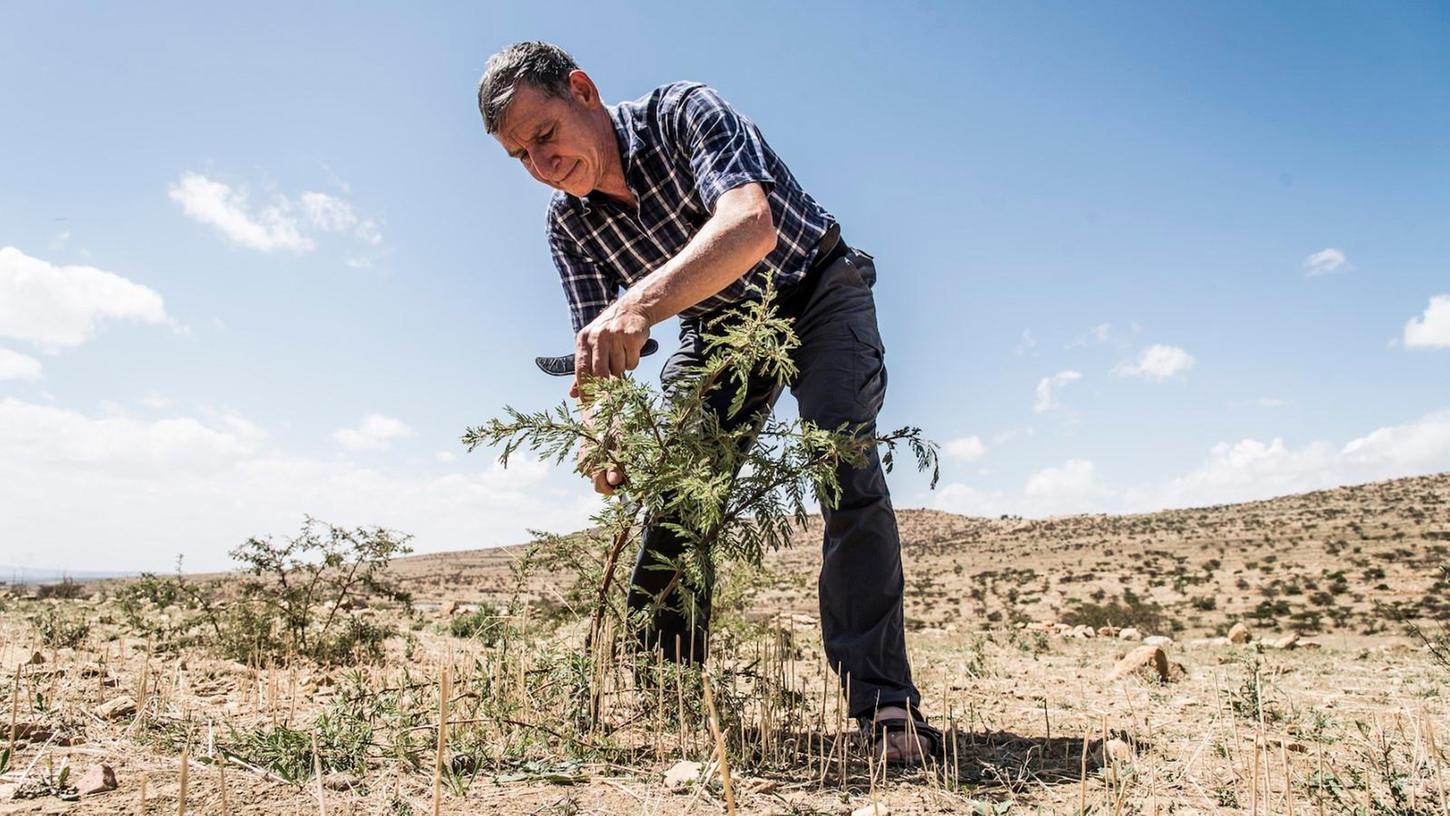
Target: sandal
pixel 876 731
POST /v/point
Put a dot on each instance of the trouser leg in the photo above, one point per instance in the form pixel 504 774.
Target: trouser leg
pixel 842 379
pixel 679 616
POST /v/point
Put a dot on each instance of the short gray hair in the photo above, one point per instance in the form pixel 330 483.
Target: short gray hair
pixel 543 65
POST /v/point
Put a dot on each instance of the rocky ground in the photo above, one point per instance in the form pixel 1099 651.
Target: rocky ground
pixel 1245 658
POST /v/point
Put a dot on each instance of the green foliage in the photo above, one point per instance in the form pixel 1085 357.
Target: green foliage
pixel 59 630
pixel 1248 700
pixel 1133 611
pixel 483 624
pixel 734 494
pixel 301 597
pixel 66 590
pixel 342 744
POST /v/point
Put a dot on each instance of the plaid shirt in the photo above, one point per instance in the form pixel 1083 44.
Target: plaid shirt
pixel 682 147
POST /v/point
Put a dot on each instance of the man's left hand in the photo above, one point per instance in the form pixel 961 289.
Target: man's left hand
pixel 609 346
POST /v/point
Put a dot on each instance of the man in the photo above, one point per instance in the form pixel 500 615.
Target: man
pixel 677 200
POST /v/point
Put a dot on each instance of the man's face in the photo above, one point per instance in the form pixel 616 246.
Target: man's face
pixel 556 139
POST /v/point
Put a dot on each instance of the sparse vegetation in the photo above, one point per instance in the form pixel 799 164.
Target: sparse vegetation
pixel 304 597
pixel 538 724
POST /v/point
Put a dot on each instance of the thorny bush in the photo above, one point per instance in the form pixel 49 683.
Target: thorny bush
pixel 733 494
pixel 303 596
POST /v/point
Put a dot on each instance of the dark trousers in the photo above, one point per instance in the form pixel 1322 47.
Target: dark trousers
pixel 841 379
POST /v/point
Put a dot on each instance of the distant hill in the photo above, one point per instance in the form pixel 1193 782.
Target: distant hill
pixel 1349 559
pixel 16 575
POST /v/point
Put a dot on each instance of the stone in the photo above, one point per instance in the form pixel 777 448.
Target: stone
pixel 1081 631
pixel 876 809
pixel 1158 640
pixel 1288 745
pixel 1239 634
pixel 681 774
pixel 31 732
pixel 448 608
pixel 98 778
pixel 1107 631
pixel 339 782
pixel 123 706
pixel 1146 655
pixel 1116 750
pixel 36 658
pixel 1288 641
pixel 757 785
pixel 1129 633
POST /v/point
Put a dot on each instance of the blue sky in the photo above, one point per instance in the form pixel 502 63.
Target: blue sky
pixel 263 261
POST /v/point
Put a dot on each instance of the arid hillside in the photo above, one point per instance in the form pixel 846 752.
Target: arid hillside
pixel 1251 658
pixel 1347 560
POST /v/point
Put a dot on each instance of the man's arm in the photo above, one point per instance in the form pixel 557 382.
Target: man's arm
pixel 739 234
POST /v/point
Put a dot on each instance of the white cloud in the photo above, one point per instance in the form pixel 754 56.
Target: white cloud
pixel 446 456
pixel 1072 487
pixel 271 228
pixel 368 232
pixel 1157 363
pixel 961 498
pixel 1101 333
pixel 1325 261
pixel 1269 402
pixel 1075 477
pixel 17 366
pixel 1432 329
pixel 375 432
pixel 120 492
pixel 1026 344
pixel 60 306
pixel 1046 398
pixel 328 212
pixel 1245 470
pixel 966 449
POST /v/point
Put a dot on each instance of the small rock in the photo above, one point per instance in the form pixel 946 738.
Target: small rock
pixel 1107 631
pixel 1239 634
pixel 448 608
pixel 36 658
pixel 681 774
pixel 122 706
pixel 1129 633
pixel 1081 631
pixel 1158 640
pixel 757 785
pixel 877 809
pixel 1116 750
pixel 1288 641
pixel 1287 744
pixel 31 732
pixel 1146 655
pixel 339 782
pixel 1310 644
pixel 97 779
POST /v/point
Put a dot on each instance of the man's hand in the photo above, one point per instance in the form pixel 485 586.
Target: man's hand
pixel 605 480
pixel 609 346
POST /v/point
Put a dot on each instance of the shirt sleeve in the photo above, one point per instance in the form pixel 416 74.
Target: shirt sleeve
pixel 725 148
pixel 587 289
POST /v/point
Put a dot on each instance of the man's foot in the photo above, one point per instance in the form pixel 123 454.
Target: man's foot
pixel 902 746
